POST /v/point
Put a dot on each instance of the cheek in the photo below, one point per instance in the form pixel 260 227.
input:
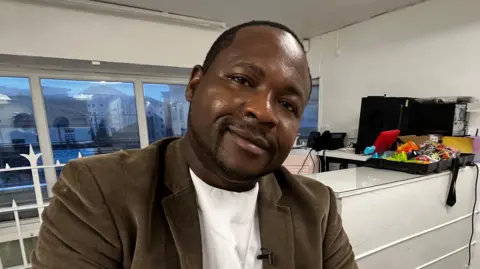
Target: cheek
pixel 218 105
pixel 207 105
pixel 217 100
pixel 287 131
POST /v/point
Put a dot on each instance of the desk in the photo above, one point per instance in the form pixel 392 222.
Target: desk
pixel 344 157
pixel 299 162
pixel 401 221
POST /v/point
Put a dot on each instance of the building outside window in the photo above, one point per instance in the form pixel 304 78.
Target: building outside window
pixel 166 110
pixel 74 124
pixel 17 131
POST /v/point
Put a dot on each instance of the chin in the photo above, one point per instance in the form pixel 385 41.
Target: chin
pixel 244 170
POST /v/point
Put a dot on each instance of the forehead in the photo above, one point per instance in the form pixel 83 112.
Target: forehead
pixel 270 48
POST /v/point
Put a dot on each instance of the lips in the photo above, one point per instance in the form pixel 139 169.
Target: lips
pixel 258 142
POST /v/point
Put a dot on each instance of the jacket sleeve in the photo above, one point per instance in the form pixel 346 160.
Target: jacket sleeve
pixel 77 230
pixel 337 251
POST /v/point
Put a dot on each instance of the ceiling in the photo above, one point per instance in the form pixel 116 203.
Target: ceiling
pixel 307 17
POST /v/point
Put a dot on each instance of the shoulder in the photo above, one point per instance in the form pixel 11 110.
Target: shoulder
pixel 108 166
pixel 312 204
pixel 123 170
pixel 306 190
pixel 315 191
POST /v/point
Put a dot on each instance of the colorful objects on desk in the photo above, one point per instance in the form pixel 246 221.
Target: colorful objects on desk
pixel 385 140
pixel 410 152
pixel 398 157
pixel 369 150
pixel 407 147
pixel 427 153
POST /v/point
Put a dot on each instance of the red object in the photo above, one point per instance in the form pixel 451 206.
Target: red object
pixel 385 140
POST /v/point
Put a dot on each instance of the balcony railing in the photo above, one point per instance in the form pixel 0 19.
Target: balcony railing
pixel 22 228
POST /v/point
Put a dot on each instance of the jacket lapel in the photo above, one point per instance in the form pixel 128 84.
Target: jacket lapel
pixel 276 227
pixel 181 208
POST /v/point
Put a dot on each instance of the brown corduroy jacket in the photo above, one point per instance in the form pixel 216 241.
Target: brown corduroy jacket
pixel 137 209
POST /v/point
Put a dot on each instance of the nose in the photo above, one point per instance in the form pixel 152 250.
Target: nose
pixel 259 108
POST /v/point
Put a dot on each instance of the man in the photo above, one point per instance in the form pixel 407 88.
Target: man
pixel 217 198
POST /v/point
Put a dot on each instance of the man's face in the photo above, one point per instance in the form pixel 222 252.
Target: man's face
pixel 246 109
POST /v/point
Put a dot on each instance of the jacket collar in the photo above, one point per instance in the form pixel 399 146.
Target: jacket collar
pixel 177 174
pixel 181 210
pixel 176 170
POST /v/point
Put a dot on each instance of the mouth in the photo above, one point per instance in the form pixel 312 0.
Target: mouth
pixel 255 144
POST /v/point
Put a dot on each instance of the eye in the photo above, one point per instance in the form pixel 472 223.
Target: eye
pixel 288 106
pixel 241 81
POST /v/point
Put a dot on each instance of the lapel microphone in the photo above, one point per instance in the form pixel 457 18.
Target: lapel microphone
pixel 266 255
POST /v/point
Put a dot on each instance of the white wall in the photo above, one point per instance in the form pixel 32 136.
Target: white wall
pixel 432 49
pixel 38 30
pixel 314 55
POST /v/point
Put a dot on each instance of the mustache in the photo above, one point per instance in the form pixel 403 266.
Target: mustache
pixel 253 128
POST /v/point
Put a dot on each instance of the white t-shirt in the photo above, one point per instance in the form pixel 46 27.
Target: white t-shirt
pixel 229 227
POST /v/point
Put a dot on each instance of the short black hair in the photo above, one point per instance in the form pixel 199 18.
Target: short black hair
pixel 227 37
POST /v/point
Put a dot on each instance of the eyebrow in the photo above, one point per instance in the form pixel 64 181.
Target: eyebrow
pixel 291 89
pixel 254 68
pixel 296 91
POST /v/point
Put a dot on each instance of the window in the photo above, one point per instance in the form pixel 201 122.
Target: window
pixel 81 116
pixel 17 132
pixel 166 110
pixel 17 123
pixel 309 121
pixel 66 103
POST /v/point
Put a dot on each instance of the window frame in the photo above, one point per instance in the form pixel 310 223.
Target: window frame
pixel 34 75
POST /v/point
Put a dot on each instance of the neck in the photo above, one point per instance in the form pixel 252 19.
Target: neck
pixel 205 167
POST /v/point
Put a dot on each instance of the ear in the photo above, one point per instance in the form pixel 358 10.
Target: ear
pixel 195 78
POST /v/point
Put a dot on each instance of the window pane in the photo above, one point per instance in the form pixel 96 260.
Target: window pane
pixel 166 110
pixel 17 123
pixel 90 117
pixel 309 121
pixel 17 132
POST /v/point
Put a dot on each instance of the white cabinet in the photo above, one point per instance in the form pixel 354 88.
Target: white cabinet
pixel 401 221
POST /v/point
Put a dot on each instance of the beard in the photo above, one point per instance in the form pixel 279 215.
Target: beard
pixel 211 149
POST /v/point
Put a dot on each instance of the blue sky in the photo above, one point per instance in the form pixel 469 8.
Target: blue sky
pixel 76 86
pixel 9 82
pixel 155 91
